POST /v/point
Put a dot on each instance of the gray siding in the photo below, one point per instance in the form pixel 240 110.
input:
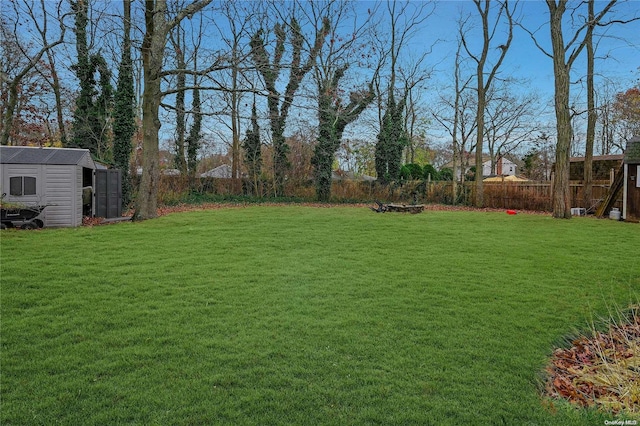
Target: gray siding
pixel 32 170
pixel 58 173
pixel 61 190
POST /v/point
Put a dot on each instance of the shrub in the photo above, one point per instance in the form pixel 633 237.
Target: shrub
pixel 411 171
pixel 446 174
pixel 427 170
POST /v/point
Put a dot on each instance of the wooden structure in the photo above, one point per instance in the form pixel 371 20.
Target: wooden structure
pixel 398 208
pixel 607 204
pixel 631 190
pixel 601 166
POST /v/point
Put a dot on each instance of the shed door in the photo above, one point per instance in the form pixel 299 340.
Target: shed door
pixel 633 192
pixel 108 193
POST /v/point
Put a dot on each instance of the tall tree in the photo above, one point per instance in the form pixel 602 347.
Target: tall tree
pixel 91 116
pixel 234 31
pixel 627 113
pixel 562 65
pixel 13 78
pixel 334 113
pixel 157 27
pixel 391 141
pixel 179 46
pixel 124 124
pixel 193 141
pixel 253 151
pixel 484 80
pixel 333 118
pixel 403 19
pixel 511 118
pixel 270 69
pixel 456 117
pixel 592 115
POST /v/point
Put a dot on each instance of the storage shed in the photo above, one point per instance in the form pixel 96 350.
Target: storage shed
pixel 58 178
pixel 631 191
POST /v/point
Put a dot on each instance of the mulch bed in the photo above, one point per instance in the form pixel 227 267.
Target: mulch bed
pixel 601 370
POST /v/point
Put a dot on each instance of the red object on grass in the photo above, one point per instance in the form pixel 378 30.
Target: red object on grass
pixel 512 212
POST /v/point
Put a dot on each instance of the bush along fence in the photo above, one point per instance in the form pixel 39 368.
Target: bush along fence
pixel 528 195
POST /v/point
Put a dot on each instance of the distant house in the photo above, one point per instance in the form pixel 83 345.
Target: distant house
pixel 220 172
pixel 631 191
pixel 504 166
pixel 66 180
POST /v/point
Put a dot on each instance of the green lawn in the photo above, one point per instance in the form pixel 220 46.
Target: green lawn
pixel 298 315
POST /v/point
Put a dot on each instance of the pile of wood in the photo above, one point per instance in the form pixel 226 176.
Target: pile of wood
pixel 398 208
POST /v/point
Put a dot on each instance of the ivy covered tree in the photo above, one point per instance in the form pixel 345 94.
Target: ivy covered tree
pixel 92 115
pixel 124 125
pixel 253 151
pixel 333 117
pixel 270 68
pixel 391 142
pixel 194 138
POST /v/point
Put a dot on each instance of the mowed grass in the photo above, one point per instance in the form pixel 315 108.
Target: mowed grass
pixel 299 315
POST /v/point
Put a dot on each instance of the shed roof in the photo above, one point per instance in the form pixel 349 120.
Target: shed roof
pixel 611 157
pixel 36 155
pixel 632 153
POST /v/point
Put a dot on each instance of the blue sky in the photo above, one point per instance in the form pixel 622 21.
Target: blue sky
pixel 524 59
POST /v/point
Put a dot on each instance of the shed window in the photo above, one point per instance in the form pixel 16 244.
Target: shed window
pixel 22 185
pixel 638 177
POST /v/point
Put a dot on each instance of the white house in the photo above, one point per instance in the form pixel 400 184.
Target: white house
pixel 504 167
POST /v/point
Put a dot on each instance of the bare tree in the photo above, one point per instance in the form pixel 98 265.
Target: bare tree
pixel 39 18
pixel 455 117
pixel 564 55
pixel 510 120
pixel 234 32
pixel 484 80
pixel 157 29
pixel 404 19
pixel 270 68
pixel 334 112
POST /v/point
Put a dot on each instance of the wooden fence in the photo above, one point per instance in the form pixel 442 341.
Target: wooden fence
pixel 502 195
pixel 537 195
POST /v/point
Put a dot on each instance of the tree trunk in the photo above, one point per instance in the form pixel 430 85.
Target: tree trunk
pixel 561 195
pixel 10 108
pixel 153 47
pixel 479 198
pixel 591 114
pixel 55 86
pixel 147 200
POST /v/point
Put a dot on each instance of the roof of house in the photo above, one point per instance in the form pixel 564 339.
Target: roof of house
pixel 508 178
pixel 632 153
pixel 36 155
